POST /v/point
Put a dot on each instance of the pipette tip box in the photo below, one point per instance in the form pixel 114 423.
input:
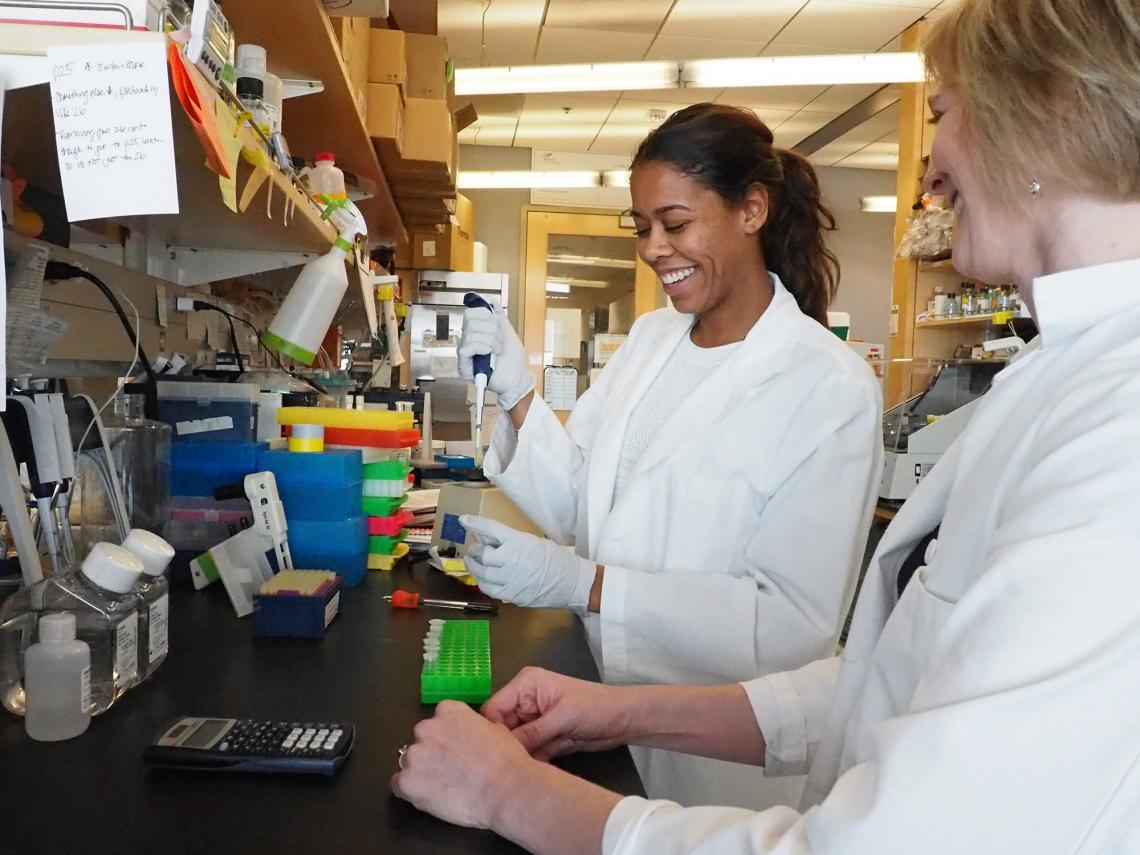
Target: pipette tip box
pixel 296 604
pixel 461 669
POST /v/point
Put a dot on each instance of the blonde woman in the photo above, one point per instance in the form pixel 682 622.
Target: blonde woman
pixel 987 701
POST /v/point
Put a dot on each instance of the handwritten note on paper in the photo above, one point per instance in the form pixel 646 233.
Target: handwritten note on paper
pixel 113 134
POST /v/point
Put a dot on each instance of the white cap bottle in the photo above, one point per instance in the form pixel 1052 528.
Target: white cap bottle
pixel 57 681
pixel 154 597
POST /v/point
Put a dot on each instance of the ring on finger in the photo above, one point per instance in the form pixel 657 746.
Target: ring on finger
pixel 400 755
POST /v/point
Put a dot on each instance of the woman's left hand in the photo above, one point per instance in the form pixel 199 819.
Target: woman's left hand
pixel 526 570
pixel 458 765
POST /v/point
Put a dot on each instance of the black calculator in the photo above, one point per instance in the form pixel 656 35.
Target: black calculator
pixel 247 745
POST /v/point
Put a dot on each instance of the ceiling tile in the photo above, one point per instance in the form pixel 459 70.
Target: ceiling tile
pixel 839 25
pixel 540 135
pixel 832 153
pixel 628 16
pixel 788 49
pixel 678 47
pixel 504 47
pixel 775 97
pixel 479 134
pixel 568 109
pixel 873 156
pixel 511 28
pixel 923 5
pixel 754 21
pixel 842 98
pixel 488 106
pixel 560 45
pixel 804 123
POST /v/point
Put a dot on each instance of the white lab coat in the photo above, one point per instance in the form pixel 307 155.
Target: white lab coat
pixel 734 548
pixel 993 707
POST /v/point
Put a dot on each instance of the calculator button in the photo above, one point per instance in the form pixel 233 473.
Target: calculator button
pixel 309 731
pixel 321 734
pixel 225 746
pixel 336 734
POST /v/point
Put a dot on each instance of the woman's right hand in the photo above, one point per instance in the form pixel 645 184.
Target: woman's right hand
pixel 490 332
pixel 552 715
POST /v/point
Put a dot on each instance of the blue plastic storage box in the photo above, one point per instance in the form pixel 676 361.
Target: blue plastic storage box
pixel 328 485
pixel 209 412
pixel 199 468
pixel 340 546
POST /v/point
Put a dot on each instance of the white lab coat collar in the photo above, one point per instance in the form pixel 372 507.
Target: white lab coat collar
pixel 765 352
pixel 1070 302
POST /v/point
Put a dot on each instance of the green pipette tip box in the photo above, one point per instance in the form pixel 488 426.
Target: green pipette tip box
pixel 463 670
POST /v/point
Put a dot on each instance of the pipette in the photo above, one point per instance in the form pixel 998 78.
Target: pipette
pixel 482 368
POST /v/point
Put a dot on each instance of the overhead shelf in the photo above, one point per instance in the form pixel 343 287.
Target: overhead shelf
pixel 301 44
pixel 203 220
pixel 940 266
pixel 955 322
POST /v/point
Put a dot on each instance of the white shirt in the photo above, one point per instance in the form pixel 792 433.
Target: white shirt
pixel 686 369
pixel 993 707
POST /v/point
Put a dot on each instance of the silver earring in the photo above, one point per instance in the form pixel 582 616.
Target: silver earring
pixel 1034 188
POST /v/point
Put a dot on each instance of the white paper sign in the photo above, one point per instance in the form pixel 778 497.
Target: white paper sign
pixel 112 129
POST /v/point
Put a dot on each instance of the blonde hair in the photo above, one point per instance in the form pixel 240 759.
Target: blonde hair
pixel 1049 89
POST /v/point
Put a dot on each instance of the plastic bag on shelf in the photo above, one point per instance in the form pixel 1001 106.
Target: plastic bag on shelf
pixel 930 231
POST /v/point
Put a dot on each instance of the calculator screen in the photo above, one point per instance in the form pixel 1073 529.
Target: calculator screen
pixel 206 733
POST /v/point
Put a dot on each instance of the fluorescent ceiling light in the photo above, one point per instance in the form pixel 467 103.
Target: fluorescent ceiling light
pixel 828 70
pixel 880 204
pixel 823 70
pixel 598 77
pixel 593 261
pixel 526 180
pixel 557 288
pixel 616 177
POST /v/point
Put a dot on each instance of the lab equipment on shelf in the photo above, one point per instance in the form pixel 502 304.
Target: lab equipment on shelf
pixel 252 63
pixel 57 681
pixel 325 178
pixel 209 412
pixel 307 439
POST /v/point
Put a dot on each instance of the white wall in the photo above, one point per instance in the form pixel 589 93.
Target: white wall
pixel 864 245
pixel 863 242
pixel 498 213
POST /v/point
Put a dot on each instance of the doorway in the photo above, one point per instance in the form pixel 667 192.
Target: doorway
pixel 583 288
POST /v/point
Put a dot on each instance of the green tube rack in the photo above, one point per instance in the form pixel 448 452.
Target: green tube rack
pixel 463 670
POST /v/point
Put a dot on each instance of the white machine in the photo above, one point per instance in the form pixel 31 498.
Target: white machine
pixel 918 432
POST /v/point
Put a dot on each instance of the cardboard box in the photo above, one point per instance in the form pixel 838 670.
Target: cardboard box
pixel 386 57
pixel 428 144
pixel 452 250
pixel 354 37
pixel 384 116
pixel 426 58
pixel 465 214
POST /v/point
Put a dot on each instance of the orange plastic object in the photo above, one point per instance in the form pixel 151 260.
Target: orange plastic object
pixel 405 600
pixel 370 438
pixel 201 117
